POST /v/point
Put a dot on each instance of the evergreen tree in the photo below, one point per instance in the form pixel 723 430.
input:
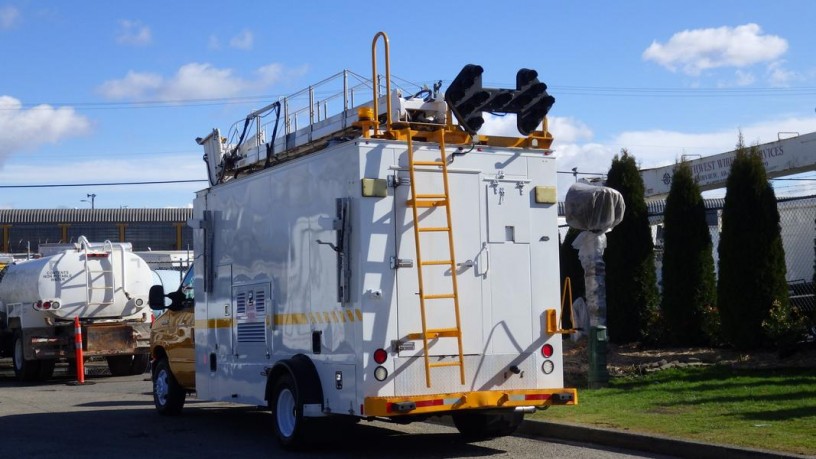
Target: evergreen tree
pixel 631 280
pixel 571 267
pixel 752 258
pixel 689 285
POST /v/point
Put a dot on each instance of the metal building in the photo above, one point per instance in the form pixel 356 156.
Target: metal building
pixel 23 230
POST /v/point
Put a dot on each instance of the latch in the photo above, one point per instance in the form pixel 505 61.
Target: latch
pixel 397 263
pixel 395 181
pixel 398 345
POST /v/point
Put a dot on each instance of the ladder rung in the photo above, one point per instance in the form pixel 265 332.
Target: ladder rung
pixel 444 332
pixel 431 196
pixel 436 333
pixel 428 163
pixel 427 203
pixel 440 296
pixel 436 262
pixel 445 364
pixel 434 228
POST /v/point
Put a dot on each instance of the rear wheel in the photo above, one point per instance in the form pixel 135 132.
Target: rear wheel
pixel 24 370
pixel 287 412
pixel 168 395
pixel 478 425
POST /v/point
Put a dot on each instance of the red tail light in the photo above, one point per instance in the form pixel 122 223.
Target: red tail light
pixel 547 350
pixel 380 356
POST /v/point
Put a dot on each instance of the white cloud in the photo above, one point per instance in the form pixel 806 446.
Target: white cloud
pixel 655 148
pixel 133 33
pixel 133 86
pixel 243 40
pixel 194 81
pixel 26 129
pixel 693 51
pixel 197 81
pixel 564 129
pixel 165 167
pixel 9 16
pixel 780 76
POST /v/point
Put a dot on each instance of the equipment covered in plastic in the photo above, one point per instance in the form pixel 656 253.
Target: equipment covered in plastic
pixel 593 208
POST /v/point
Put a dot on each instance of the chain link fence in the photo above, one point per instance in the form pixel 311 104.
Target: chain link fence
pixel 798 224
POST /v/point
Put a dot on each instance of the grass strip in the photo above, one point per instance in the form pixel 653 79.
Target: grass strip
pixel 768 409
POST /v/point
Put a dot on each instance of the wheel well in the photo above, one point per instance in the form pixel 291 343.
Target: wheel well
pixel 156 354
pixel 303 372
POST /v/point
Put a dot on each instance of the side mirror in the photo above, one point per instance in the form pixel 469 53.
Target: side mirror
pixel 156 298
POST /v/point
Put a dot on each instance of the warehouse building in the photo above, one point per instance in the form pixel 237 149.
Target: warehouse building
pixel 23 230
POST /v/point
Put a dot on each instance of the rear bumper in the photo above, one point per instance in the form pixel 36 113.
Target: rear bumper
pixel 97 340
pixel 443 403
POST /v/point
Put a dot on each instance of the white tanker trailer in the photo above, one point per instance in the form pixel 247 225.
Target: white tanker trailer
pixel 104 284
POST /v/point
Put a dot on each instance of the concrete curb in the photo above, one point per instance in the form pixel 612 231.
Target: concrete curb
pixel 641 442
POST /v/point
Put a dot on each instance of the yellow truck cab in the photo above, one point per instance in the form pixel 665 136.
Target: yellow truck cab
pixel 172 345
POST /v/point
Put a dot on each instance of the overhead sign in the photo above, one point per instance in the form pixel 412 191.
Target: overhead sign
pixel 783 157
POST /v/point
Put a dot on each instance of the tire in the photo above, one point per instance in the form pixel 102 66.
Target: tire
pixel 24 370
pixel 140 364
pixel 475 425
pixel 126 365
pixel 46 369
pixel 168 395
pixel 287 412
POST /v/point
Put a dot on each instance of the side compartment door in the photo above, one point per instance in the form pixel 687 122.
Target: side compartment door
pixel 440 313
pixel 250 305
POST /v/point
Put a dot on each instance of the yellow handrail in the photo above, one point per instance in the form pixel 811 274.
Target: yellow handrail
pixel 387 81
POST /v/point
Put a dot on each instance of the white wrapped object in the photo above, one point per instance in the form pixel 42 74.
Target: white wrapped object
pixel 593 208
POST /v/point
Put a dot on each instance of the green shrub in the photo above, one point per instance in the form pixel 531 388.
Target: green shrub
pixel 752 258
pixel 689 284
pixel 631 280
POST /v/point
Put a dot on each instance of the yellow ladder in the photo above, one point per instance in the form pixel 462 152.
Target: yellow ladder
pixel 434 200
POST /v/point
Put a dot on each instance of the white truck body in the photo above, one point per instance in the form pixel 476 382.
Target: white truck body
pixel 274 286
pixel 104 285
pixel 380 263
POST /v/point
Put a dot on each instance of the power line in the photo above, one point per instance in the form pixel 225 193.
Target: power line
pixel 56 185
pixel 561 89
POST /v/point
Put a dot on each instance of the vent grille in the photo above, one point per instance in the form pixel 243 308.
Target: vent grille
pixel 252 332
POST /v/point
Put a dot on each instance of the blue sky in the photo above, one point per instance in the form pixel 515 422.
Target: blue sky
pixel 96 91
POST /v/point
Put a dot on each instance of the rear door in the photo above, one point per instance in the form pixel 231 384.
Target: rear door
pixel 465 188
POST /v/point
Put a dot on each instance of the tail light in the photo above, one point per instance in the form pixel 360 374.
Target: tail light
pixel 547 351
pixel 46 305
pixel 380 372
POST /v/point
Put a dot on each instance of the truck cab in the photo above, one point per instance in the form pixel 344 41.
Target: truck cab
pixel 172 345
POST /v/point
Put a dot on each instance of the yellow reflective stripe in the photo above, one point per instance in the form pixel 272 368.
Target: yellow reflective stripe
pixel 295 318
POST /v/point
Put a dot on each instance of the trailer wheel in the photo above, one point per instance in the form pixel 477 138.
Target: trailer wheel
pixel 475 425
pixel 287 411
pixel 168 395
pixel 24 370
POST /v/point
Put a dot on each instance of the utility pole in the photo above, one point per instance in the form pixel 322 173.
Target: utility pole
pixel 92 196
